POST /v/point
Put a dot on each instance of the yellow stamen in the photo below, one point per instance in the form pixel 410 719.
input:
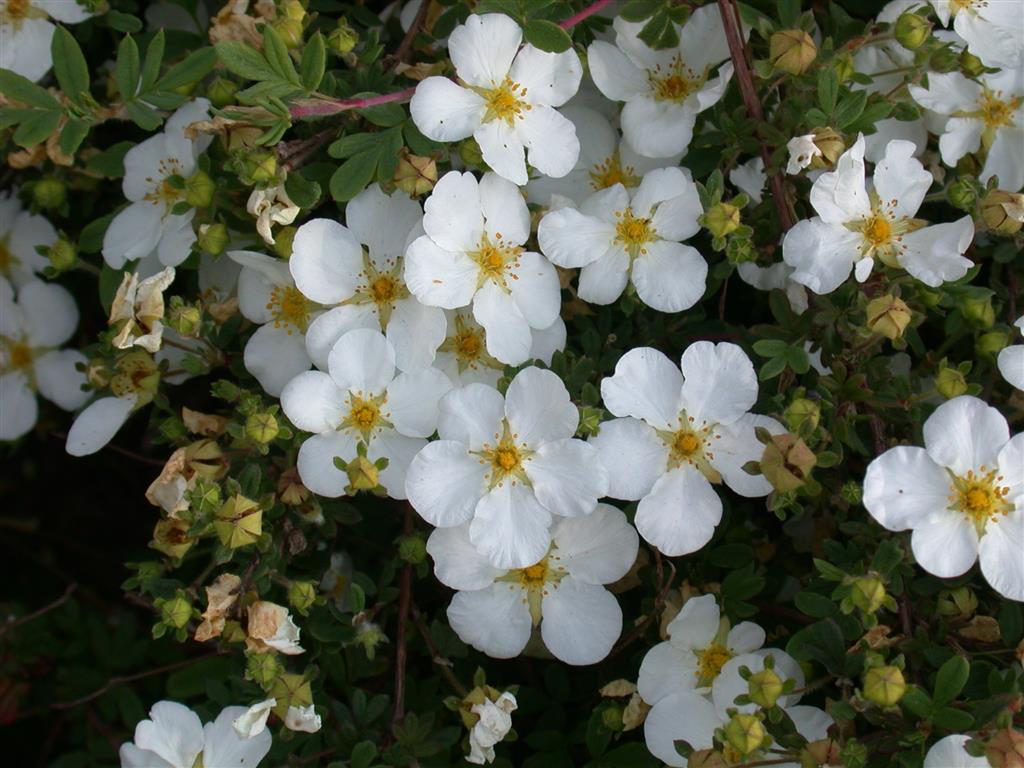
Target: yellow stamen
pixel 676 82
pixel 495 260
pixel 505 102
pixel 634 233
pixel 877 230
pixel 980 496
pixel 710 662
pixel 612 172
pixel 505 458
pixel 995 112
pixel 364 414
pixel 289 308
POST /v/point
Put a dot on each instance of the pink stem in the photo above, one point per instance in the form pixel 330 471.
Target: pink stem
pixel 323 107
pixel 590 10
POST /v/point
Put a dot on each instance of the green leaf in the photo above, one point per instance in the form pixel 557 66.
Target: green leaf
pixel 639 10
pixel 24 91
pixel 154 58
pixel 771 347
pixel 122 22
pixel 128 68
pixel 314 62
pixel 772 368
pixel 384 115
pixel 91 238
pixel 849 109
pixel 69 66
pixel 303 192
pixel 660 32
pixel 353 175
pixel 828 89
pixel 244 60
pixel 953 719
pixel 191 69
pixel 916 701
pixel 276 53
pixel 110 162
pixel 363 754
pixel 352 144
pixel 73 135
pixel 547 36
pixel 36 127
pixel 950 680
pixel 144 117
pixel 813 604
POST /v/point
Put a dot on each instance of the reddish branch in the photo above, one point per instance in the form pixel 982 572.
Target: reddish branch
pixel 324 107
pixel 587 12
pixel 404 604
pixel 737 51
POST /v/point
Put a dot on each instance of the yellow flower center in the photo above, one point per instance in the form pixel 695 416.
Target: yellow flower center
pixel 19 354
pixel 686 443
pixel 675 82
pixel 633 233
pixel 468 345
pixel 995 112
pixel 364 414
pixel 710 662
pixel 691 444
pixel 980 496
pixel 535 575
pixel 164 192
pixel 495 259
pixel 612 172
pixel 505 458
pixel 956 6
pixel 18 9
pixel 505 102
pixel 877 230
pixel 383 290
pixel 289 308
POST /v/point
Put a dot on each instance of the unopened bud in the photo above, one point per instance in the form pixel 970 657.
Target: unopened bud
pixel 963 193
pixel 302 595
pixel 977 308
pixel 261 427
pixel 802 416
pixel 868 594
pixel 412 549
pixel 63 255
pixel 950 383
pixel 884 686
pixel 1002 212
pixel 290 31
pixel 239 522
pixel 290 489
pixel 290 690
pixel 183 318
pixel 744 733
pixel 960 603
pixel 970 64
pixel 912 30
pixel 176 612
pixel 888 316
pixel 199 189
pixel 721 219
pixel 470 154
pixel 263 669
pixel 792 51
pixel 764 688
pixel 844 66
pixel 851 492
pixel 416 175
pixel 49 193
pixel 363 474
pixel 342 39
pixel 831 144
pixel 787 462
pixel 369 636
pixel 263 167
pixel 611 718
pixel 221 92
pixel 213 238
pixel 823 753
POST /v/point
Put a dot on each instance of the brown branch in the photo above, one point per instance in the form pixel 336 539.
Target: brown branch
pixel 295 153
pixel 41 612
pixel 639 630
pixel 404 604
pixel 437 657
pixel 745 80
pixel 405 47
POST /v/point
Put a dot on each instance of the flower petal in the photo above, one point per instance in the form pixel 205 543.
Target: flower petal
pixel 444 483
pixel 223 745
pixel 508 336
pixel 412 404
pixel 669 277
pixel 950 752
pixel 685 717
pixel 598 548
pixel 510 527
pixel 935 254
pixel 415 331
pixel 400 452
pixel 50 313
pixel 550 140
pixel 614 74
pixel 1000 553
pixel 316 463
pixel 445 111
pixel 964 434
pixel 456 563
pixel 362 361
pixel 719 382
pixel 313 402
pixel 737 444
pixel 946 545
pixel 323 333
pixel 573 239
pixel 18 407
pixel 471 415
pixel 821 254
pixel 658 128
pixel 538 408
pixel 59 379
pixel 174 732
pixel 275 356
pixel 646 385
pixel 633 455
pixel 602 281
pixel 133 234
pixel 502 149
pixel 440 278
pixel 680 513
pixel 326 261
pixel 547 78
pixel 482 49
pixel 900 180
pixel 666 670
pixel 841 195
pixel 494 620
pixel 903 488
pixel 566 477
pixel 97 424
pixel 581 621
pixel 453 215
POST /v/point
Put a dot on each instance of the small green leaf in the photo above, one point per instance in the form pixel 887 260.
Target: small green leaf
pixel 352 144
pixel 916 701
pixel 69 65
pixel 849 108
pixel 772 368
pixel 314 62
pixel 110 162
pixel 36 127
pixel 660 32
pixel 384 115
pixel 353 175
pixel 24 91
pixel 639 10
pixel 303 192
pixel 276 53
pixel 547 36
pixel 954 720
pixel 363 754
pixel 144 117
pixel 122 22
pixel 72 136
pixel 191 69
pixel 813 604
pixel 244 60
pixel 154 58
pixel 771 347
pixel 127 69
pixel 828 89
pixel 950 680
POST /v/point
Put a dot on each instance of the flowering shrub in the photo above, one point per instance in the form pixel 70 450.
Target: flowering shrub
pixel 530 383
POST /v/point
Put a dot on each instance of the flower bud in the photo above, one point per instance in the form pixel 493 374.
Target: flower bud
pixel 787 462
pixel 302 595
pixel 802 416
pixel 49 193
pixel 213 238
pixel 963 193
pixel 363 474
pixel 263 669
pixel 183 318
pixel 959 603
pixel 765 687
pixel 176 612
pixel 721 219
pixel 412 549
pixel 970 64
pixel 261 428
pixel 888 316
pixel 342 39
pixel 744 733
pixel 221 92
pixel 824 752
pixel 63 255
pixel 1006 749
pixel 1002 212
pixel 844 66
pixel 263 167
pixel 290 31
pixel 469 152
pixel 977 308
pixel 369 636
pixel 851 492
pixel 831 144
pixel 199 189
pixel 950 383
pixel 170 537
pixel 868 593
pixel 990 344
pixel 611 718
pixel 912 30
pixel 884 686
pixel 290 690
pixel 290 489
pixel 416 175
pixel 283 241
pixel 792 51
pixel 239 522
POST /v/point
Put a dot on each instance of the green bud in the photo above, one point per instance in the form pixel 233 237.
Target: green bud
pixel 868 593
pixel 261 427
pixel 199 189
pixel 342 39
pixel 912 30
pixel 63 255
pixel 765 687
pixel 991 344
pixel 290 690
pixel 213 238
pixel 263 167
pixel 803 416
pixel 176 612
pixel 302 595
pixel 960 603
pixel 970 64
pixel 290 31
pixel 721 219
pixel 1002 212
pixel 744 733
pixel 49 193
pixel 283 241
pixel 239 522
pixel 412 549
pixel 963 193
pixel 844 67
pixel 369 636
pixel 884 686
pixel 888 316
pixel 851 492
pixel 469 152
pixel 263 669
pixel 950 383
pixel 221 92
pixel 792 51
pixel 611 718
pixel 184 318
pixel 977 308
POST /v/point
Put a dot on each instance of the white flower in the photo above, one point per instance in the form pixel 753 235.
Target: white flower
pixel 802 150
pixel 1011 360
pixel 689 717
pixel 619 236
pixel 494 724
pixel 604 160
pixel 271 206
pixel 463 355
pixel 856 225
pixel 303 719
pixel 962 494
pixel 992 28
pixel 664 90
pixel 362 400
pixel 496 610
pixel 148 223
pixel 508 101
pixel 680 433
pixel 271 627
pixel 778 276
pixel 20 233
pixel 699 645
pixel 276 352
pixel 32 328
pixel 253 721
pixel 750 178
pixel 97 424
pixel 472 253
pixel 337 579
pixel 174 737
pixel 949 752
pixel 985 114
pixel 331 267
pixel 507 464
pixel 26 33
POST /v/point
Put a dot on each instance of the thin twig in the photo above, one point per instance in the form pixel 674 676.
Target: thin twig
pixel 324 107
pixel 639 630
pixel 737 51
pixel 404 603
pixel 439 660
pixel 294 154
pixel 587 12
pixel 14 623
pixel 122 451
pixel 405 47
